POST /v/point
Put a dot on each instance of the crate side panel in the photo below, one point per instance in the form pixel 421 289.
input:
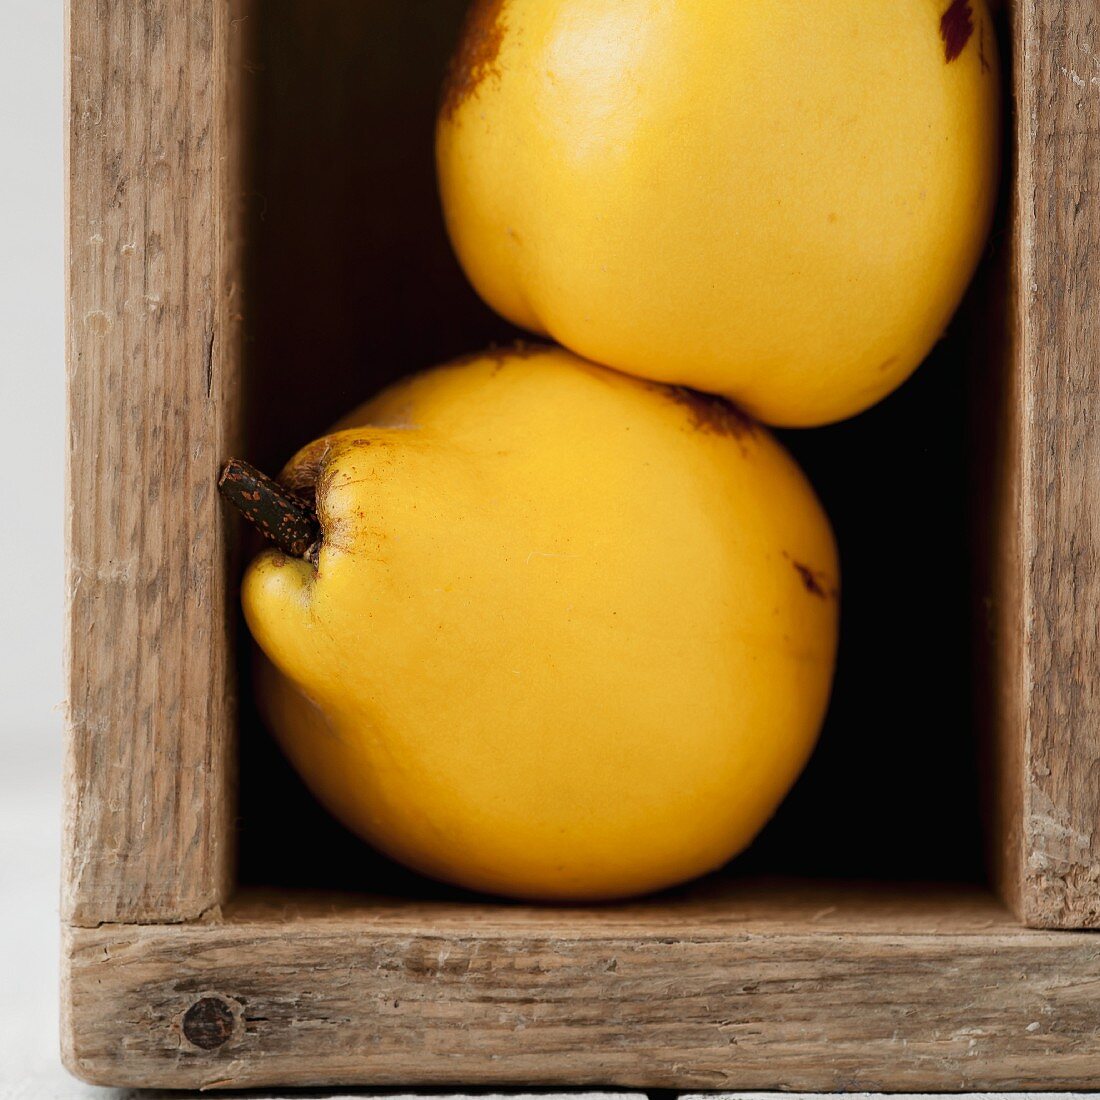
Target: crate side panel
pixel 152 362
pixel 996 465
pixel 1055 874
pixel 329 1001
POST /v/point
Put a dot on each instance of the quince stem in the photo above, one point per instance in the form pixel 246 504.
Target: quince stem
pixel 277 513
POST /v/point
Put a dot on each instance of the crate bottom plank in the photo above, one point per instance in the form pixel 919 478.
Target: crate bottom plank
pixel 733 986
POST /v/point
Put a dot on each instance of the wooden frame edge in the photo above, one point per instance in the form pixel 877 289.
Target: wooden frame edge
pixel 314 1000
pixel 152 348
pixel 1049 590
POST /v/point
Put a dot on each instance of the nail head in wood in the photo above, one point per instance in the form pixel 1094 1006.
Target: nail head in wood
pixel 209 1023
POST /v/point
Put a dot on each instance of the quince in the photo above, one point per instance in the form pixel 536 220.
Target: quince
pixel 559 633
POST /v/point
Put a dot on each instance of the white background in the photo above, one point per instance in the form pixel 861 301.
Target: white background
pixel 32 371
pixel 32 458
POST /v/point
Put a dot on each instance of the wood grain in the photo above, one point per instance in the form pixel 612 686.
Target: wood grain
pixel 809 990
pixel 730 984
pixel 1048 598
pixel 153 378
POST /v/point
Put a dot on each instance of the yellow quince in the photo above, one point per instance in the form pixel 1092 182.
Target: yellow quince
pixel 777 201
pixel 560 634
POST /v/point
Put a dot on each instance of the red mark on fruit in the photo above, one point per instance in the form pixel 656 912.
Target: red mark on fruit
pixel 956 27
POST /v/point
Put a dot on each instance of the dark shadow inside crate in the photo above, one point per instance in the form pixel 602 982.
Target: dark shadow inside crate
pixel 351 283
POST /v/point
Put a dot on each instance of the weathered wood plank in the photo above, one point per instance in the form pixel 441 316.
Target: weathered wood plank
pixel 152 361
pixel 813 994
pixel 1049 589
pixel 716 905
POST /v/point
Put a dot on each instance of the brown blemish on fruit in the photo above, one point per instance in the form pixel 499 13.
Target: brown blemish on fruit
pixel 304 469
pixel 475 59
pixel 813 580
pixel 956 27
pixel 809 579
pixel 326 484
pixel 712 414
pixel 981 47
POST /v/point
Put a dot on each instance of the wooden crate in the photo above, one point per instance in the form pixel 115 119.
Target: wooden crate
pixel 219 146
